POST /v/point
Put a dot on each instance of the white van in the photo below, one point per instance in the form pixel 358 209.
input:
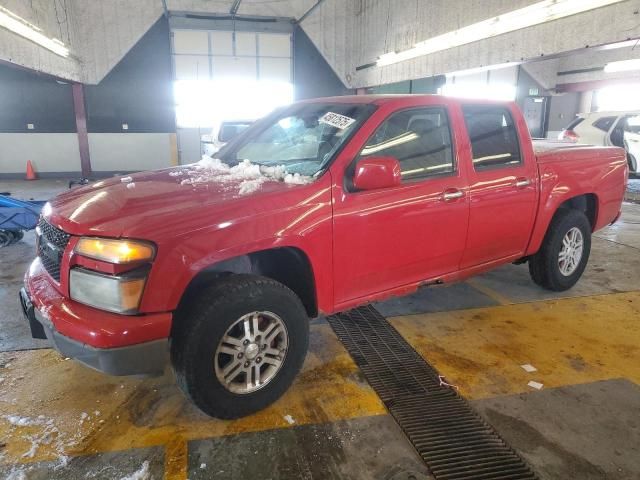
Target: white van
pixel 221 134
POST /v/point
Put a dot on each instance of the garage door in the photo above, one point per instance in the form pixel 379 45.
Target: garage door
pixel 225 75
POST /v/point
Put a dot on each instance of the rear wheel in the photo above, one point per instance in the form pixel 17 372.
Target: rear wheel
pixel 564 253
pixel 240 345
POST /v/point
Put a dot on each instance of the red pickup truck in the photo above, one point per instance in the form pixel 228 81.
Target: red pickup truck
pixel 320 207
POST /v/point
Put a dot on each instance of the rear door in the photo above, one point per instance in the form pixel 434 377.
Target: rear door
pixel 398 236
pixel 503 186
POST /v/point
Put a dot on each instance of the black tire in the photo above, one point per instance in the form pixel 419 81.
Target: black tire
pixel 631 161
pixel 6 238
pixel 17 235
pixel 199 329
pixel 544 267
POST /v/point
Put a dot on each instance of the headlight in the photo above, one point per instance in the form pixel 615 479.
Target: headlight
pixel 120 294
pixel 115 251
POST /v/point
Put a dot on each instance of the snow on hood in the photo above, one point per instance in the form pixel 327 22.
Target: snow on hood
pixel 249 175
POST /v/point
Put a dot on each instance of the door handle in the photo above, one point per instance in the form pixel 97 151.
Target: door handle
pixel 452 194
pixel 523 182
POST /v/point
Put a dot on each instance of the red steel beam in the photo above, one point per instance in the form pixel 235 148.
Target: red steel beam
pixel 81 127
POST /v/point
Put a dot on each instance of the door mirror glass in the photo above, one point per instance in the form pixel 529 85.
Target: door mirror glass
pixel 377 172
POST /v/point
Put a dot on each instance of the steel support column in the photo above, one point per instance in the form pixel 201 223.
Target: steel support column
pixel 81 127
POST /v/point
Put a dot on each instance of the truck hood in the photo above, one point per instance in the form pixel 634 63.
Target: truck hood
pixel 172 201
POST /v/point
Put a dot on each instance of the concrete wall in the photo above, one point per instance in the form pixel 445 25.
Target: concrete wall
pixel 348 33
pixel 381 26
pixel 331 29
pixel 99 33
pixel 107 30
pixel 189 144
pixel 117 152
pixel 137 93
pixel 49 152
pixel 563 109
pixel 34 103
pixel 595 62
pixel 55 21
pixel 313 76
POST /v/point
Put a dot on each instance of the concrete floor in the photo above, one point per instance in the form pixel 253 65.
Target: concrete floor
pixel 61 420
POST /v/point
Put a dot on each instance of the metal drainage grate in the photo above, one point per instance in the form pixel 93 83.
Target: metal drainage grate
pixel 453 440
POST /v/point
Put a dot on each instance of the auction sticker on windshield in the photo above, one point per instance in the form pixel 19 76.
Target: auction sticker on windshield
pixel 337 120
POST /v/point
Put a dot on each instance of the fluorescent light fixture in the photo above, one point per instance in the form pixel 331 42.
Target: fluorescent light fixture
pixel 535 14
pixel 19 25
pixel 623 66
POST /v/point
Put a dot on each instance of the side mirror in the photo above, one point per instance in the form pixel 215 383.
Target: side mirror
pixel 377 172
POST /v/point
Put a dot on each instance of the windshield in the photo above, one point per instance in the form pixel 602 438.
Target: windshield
pixel 303 138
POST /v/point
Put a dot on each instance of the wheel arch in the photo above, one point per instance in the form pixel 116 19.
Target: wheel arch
pixel 588 203
pixel 288 265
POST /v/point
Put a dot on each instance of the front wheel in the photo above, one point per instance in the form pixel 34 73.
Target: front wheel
pixel 564 253
pixel 240 345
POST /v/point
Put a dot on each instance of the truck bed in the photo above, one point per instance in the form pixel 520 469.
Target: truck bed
pixel 555 150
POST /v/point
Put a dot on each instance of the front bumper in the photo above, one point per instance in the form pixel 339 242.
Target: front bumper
pixel 108 342
pixel 142 359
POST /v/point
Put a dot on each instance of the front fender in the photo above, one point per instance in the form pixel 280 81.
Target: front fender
pixel 307 226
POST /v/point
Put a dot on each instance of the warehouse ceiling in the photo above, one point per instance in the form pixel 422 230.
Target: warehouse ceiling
pixel 352 35
pixel 98 34
pixel 268 8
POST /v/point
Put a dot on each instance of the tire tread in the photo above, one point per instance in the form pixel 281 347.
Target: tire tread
pixel 188 323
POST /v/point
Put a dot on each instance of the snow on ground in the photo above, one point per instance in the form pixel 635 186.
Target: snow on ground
pixel 41 431
pixel 250 175
pixel 143 473
pixel 18 421
pixel 17 475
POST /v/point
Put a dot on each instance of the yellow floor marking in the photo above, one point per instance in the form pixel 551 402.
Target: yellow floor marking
pixel 569 341
pixel 151 412
pixel 489 292
pixel 176 459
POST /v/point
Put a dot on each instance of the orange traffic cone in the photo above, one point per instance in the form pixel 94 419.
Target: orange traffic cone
pixel 31 174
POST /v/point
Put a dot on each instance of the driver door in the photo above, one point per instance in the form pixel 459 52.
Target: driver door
pixel 396 236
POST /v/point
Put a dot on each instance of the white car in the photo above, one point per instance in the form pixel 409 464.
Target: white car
pixel 221 135
pixel 621 129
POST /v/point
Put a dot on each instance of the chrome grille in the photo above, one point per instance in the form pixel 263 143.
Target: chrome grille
pixel 51 244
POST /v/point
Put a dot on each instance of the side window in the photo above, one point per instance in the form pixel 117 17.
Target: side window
pixel 494 140
pixel 604 123
pixel 574 123
pixel 632 124
pixel 419 138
